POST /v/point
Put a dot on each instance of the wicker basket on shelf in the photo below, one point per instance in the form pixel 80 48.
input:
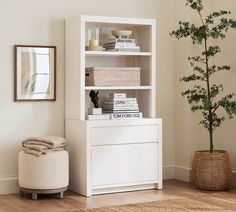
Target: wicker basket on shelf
pixel 211 170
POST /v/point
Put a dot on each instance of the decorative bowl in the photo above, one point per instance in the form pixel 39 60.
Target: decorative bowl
pixel 120 33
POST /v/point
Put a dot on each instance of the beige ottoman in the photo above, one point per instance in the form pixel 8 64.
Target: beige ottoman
pixel 45 174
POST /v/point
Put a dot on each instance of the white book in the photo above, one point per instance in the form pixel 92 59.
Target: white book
pixel 120 106
pixel 118 116
pixel 117 95
pixel 120 111
pixel 119 45
pixel 120 101
pixel 121 40
pixel 130 110
pixel 123 47
pixel 98 117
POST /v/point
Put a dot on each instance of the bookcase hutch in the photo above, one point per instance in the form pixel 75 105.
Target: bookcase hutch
pixel 112 155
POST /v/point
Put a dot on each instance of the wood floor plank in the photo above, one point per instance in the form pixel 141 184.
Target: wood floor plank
pixel 173 189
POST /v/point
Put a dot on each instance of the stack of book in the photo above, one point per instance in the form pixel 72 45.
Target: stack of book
pixel 121 44
pixel 120 107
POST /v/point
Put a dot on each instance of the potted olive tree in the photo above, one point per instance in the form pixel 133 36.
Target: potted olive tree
pixel 211 168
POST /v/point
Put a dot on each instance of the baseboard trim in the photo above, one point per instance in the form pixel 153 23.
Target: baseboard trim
pixel 9 185
pixel 168 172
pixel 234 177
pixel 183 173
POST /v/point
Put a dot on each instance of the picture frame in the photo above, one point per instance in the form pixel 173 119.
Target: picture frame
pixel 34 73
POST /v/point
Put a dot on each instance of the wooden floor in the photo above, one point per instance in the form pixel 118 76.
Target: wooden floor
pixel 172 189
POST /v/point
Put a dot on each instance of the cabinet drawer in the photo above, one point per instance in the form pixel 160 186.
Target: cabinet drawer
pixel 124 134
pixel 118 164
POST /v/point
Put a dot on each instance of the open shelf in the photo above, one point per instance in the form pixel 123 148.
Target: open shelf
pixel 118 87
pixel 78 59
pixel 110 53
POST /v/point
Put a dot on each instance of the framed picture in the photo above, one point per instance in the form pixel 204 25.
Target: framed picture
pixel 35 73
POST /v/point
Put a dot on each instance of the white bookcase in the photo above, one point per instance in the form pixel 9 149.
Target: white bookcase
pixel 112 155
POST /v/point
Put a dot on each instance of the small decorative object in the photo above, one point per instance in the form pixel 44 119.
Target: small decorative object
pixel 211 169
pixel 93 46
pixel 94 98
pixel 92 40
pixel 95 111
pixel 35 73
pixel 121 33
pixel 92 33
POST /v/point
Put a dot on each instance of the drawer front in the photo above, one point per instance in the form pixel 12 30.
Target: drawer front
pixel 117 164
pixel 124 134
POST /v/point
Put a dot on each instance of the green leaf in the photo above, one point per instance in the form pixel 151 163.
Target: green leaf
pixel 213 69
pixel 212 51
pixel 219 30
pixel 192 77
pixel 211 18
pixel 195 95
pixel 228 105
pixel 195 4
pixel 215 90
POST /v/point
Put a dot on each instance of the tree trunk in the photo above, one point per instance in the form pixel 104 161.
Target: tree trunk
pixel 211 141
pixel 210 121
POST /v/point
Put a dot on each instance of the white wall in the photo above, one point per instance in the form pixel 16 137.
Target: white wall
pixel 190 136
pixel 42 23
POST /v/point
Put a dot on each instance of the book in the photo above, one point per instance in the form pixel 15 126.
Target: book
pixel 121 40
pixel 123 47
pixel 120 106
pixel 123 107
pixel 118 45
pixel 120 111
pixel 117 95
pixel 120 101
pixel 98 117
pixel 128 110
pixel 118 116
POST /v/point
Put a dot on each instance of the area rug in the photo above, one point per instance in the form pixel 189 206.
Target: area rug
pixel 223 202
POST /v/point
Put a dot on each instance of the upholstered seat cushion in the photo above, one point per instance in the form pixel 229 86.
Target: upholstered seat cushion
pixel 50 171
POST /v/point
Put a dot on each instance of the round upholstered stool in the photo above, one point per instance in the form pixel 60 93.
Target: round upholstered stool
pixel 45 174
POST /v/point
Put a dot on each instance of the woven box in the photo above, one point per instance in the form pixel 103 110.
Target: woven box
pixel 112 76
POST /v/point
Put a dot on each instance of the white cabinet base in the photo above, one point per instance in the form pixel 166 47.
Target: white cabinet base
pixel 107 163
pixel 123 188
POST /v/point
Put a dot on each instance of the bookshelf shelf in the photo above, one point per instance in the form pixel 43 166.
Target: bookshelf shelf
pixel 118 87
pixel 105 155
pixel 109 53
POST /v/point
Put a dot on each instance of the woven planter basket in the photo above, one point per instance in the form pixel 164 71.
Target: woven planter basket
pixel 211 171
